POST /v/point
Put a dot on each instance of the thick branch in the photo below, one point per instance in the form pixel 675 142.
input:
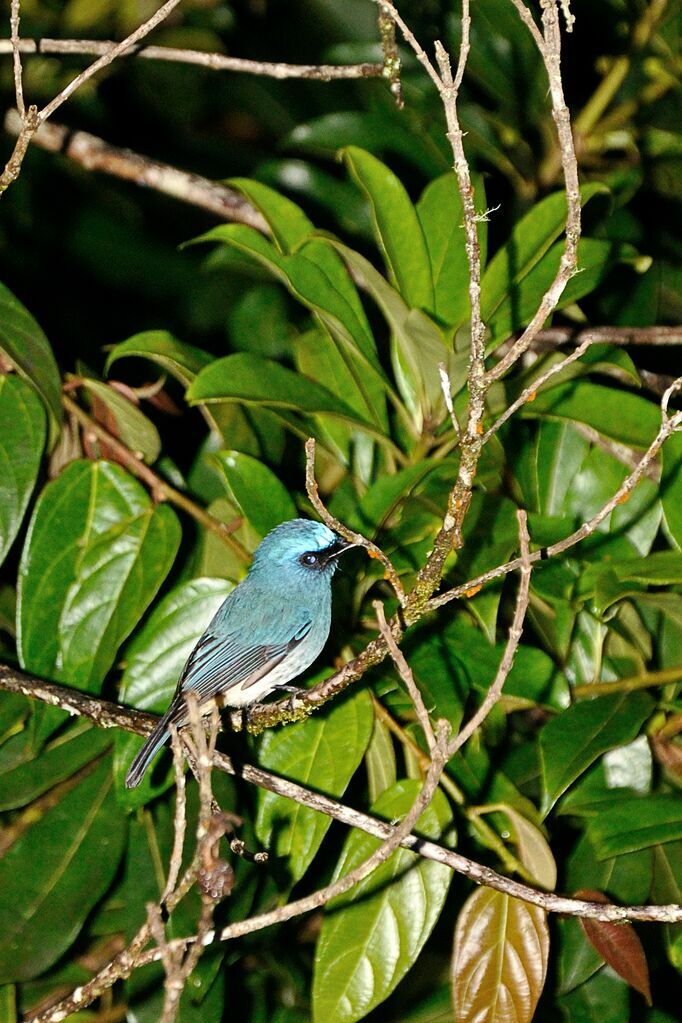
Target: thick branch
pixel 94 154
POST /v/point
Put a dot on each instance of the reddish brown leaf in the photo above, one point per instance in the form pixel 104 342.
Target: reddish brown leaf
pixel 618 945
pixel 500 959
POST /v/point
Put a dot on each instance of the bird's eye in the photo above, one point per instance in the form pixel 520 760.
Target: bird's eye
pixel 309 559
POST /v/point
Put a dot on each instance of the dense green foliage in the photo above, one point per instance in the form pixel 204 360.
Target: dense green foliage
pixel 213 363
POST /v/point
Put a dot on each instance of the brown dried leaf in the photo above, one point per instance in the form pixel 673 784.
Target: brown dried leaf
pixel 500 959
pixel 618 945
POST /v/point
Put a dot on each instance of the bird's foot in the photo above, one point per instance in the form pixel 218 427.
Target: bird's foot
pixel 295 691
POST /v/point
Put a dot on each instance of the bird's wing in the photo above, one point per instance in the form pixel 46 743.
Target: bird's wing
pixel 219 663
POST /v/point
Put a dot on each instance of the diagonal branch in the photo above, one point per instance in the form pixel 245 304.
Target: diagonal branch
pixel 111 715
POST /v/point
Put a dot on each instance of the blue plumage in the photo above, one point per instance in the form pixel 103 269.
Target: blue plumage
pixel 268 630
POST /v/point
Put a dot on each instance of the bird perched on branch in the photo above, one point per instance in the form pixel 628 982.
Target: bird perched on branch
pixel 268 630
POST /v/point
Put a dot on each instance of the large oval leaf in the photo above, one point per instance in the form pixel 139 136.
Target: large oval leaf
pixel 371 937
pixel 27 348
pixel 500 959
pixel 55 873
pixel 22 438
pixel 397 228
pixel 97 551
pixel 323 751
pixel 573 740
pixel 256 381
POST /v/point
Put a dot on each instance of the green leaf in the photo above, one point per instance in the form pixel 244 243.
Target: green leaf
pixel 22 439
pixel 154 661
pixel 560 451
pixel 318 279
pixel 500 958
pixel 604 997
pixel 372 936
pixel 418 346
pixel 25 345
pixel 574 739
pixel 617 414
pixel 255 381
pixel 530 240
pixel 263 499
pixel 56 872
pixel 289 224
pixel 136 431
pixel 97 551
pixel 397 228
pixel 380 761
pixel 323 751
pixel 636 823
pixel 181 360
pixel 595 259
pixel 440 214
pixel 59 761
pixel 671 487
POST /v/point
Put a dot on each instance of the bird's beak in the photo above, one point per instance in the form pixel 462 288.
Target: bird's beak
pixel 338 547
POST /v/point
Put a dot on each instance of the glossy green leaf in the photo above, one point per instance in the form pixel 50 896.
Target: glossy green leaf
pixel 371 937
pixel 532 848
pixel 130 424
pixel 263 499
pixel 322 751
pixel 604 997
pixel 560 451
pixel 500 958
pixel 636 823
pixel 255 381
pixel 418 346
pixel 318 279
pixel 155 659
pixel 530 240
pixel 23 342
pixel 60 760
pixel 397 228
pixel 617 414
pixel 671 487
pixel 287 221
pixel 22 439
pixel 382 771
pixel 97 551
pixel 573 740
pixel 181 360
pixel 56 872
pixel 440 214
pixel 596 257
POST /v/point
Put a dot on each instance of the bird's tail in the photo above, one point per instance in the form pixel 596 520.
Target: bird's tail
pixel 151 747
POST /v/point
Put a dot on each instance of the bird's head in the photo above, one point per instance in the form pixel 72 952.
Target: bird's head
pixel 307 547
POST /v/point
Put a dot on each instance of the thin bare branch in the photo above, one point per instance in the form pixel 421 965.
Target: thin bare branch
pixel 531 391
pixel 495 690
pixel 407 676
pixel 338 527
pixel 199 58
pixel 180 819
pixel 15 44
pixel 549 46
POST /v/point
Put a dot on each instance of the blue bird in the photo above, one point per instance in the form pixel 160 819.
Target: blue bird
pixel 270 628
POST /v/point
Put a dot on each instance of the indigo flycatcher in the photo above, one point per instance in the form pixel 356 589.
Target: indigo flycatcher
pixel 270 628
